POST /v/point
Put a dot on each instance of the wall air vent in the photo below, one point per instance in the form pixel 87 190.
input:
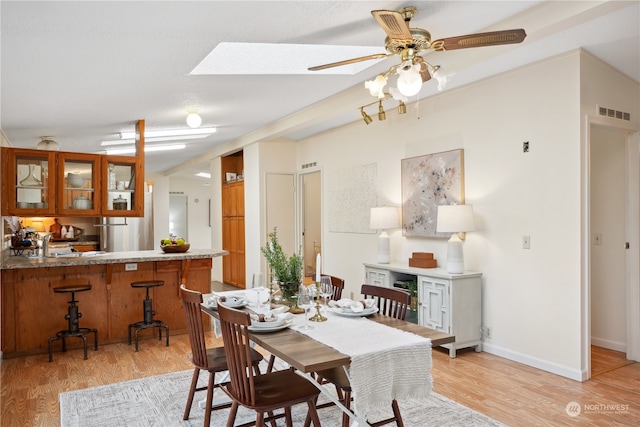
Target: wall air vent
pixel 615 114
pixel 309 165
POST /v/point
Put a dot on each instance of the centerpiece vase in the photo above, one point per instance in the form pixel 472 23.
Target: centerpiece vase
pixel 289 292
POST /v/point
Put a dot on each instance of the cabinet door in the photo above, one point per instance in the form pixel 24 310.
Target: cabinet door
pixel 122 187
pixel 28 182
pixel 434 303
pixel 78 184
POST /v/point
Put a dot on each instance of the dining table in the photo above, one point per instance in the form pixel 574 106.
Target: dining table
pixel 385 358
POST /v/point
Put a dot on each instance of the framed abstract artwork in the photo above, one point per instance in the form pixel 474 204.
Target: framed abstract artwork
pixel 429 181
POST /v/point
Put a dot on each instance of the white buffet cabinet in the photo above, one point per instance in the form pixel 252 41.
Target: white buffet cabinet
pixel 447 302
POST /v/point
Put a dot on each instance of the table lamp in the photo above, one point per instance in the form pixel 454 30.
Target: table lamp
pixel 383 218
pixel 455 219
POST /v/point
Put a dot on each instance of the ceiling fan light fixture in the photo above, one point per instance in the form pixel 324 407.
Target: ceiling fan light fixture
pixel 409 79
pixel 194 120
pixel 381 114
pixel 367 118
pixel 47 143
pixel 376 86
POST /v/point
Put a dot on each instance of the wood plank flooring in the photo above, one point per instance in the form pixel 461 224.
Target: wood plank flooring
pixel 512 393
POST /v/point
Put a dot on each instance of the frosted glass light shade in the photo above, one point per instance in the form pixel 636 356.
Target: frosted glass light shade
pixel 194 120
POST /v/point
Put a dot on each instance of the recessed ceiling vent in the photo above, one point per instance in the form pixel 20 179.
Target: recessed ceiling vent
pixel 615 114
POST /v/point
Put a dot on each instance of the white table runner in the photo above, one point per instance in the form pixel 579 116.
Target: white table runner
pixel 386 363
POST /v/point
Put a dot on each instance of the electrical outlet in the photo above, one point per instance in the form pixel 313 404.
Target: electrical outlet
pixel 131 267
pixel 526 242
pixel 486 332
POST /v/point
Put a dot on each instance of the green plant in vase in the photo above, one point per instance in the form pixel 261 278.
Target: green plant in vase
pixel 286 270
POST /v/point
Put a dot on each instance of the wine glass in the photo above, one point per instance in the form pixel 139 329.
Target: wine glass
pixel 305 302
pixel 326 289
pixel 258 285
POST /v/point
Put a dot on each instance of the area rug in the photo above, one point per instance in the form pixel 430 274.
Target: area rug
pixel 160 400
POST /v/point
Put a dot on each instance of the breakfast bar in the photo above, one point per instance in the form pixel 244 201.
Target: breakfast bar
pixel 32 312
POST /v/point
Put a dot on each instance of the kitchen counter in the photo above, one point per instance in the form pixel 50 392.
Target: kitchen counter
pixel 32 312
pixel 14 262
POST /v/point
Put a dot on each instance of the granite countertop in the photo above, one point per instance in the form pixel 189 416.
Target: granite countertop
pixel 15 262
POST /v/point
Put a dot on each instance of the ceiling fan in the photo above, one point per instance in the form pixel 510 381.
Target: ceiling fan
pixel 410 42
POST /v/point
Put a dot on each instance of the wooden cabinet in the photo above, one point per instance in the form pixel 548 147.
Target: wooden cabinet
pixel 78 189
pixel 28 182
pixel 233 264
pixel 122 187
pixel 450 303
pixel 51 183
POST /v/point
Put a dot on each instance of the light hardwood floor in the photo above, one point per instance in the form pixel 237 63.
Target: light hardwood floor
pixel 510 392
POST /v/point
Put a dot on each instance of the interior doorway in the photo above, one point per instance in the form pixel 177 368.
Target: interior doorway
pixel 611 244
pixel 311 220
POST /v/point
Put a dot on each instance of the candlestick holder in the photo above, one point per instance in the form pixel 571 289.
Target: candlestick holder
pixel 318 317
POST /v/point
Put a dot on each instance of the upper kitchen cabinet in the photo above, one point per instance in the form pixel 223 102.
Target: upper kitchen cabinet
pixel 122 187
pixel 78 189
pixel 28 182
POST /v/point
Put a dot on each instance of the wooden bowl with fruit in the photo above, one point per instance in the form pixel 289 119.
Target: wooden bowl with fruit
pixel 174 246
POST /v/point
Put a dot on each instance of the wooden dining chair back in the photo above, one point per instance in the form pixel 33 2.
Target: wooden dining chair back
pixel 391 302
pixel 263 393
pixel 338 286
pixel 212 360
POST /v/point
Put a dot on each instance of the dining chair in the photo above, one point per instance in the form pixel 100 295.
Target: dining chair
pixel 391 302
pixel 263 393
pixel 212 360
pixel 338 286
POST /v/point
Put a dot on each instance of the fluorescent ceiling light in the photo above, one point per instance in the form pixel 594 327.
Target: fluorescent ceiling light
pixel 153 139
pixel 169 132
pixel 147 148
pixel 204 175
pixel 282 58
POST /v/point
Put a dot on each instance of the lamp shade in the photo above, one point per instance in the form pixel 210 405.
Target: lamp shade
pixel 455 218
pixel 383 218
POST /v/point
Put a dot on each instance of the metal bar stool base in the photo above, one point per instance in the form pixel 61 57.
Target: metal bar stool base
pixel 143 325
pixel 81 333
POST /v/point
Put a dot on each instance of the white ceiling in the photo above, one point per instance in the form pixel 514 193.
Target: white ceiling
pixel 84 71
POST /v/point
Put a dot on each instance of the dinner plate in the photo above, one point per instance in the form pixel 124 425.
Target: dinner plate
pixel 271 324
pixel 280 327
pixel 365 312
pixel 234 302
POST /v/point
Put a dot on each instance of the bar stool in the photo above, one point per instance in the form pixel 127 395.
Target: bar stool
pixel 73 316
pixel 147 312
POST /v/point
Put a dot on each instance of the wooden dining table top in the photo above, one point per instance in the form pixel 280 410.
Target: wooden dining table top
pixel 308 355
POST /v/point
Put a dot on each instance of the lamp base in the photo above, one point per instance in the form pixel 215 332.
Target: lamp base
pixel 384 254
pixel 455 256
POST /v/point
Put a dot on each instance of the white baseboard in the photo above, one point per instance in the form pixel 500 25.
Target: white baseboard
pixel 577 375
pixel 611 345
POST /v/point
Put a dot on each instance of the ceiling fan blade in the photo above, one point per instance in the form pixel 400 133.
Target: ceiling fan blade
pixel 349 61
pixel 492 38
pixel 393 24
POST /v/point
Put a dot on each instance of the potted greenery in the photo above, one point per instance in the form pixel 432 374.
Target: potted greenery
pixel 286 270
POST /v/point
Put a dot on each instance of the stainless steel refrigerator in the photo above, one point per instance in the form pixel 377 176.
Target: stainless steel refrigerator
pixel 136 235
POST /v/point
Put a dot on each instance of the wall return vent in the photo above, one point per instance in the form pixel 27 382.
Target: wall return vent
pixel 615 114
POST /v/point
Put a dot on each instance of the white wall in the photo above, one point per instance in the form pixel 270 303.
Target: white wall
pixel 531 298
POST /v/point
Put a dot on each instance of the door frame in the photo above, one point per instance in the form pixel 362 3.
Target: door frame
pixel 300 203
pixel 632 160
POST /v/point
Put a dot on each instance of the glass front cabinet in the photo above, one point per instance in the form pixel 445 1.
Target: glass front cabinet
pixel 78 184
pixel 29 182
pixel 123 187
